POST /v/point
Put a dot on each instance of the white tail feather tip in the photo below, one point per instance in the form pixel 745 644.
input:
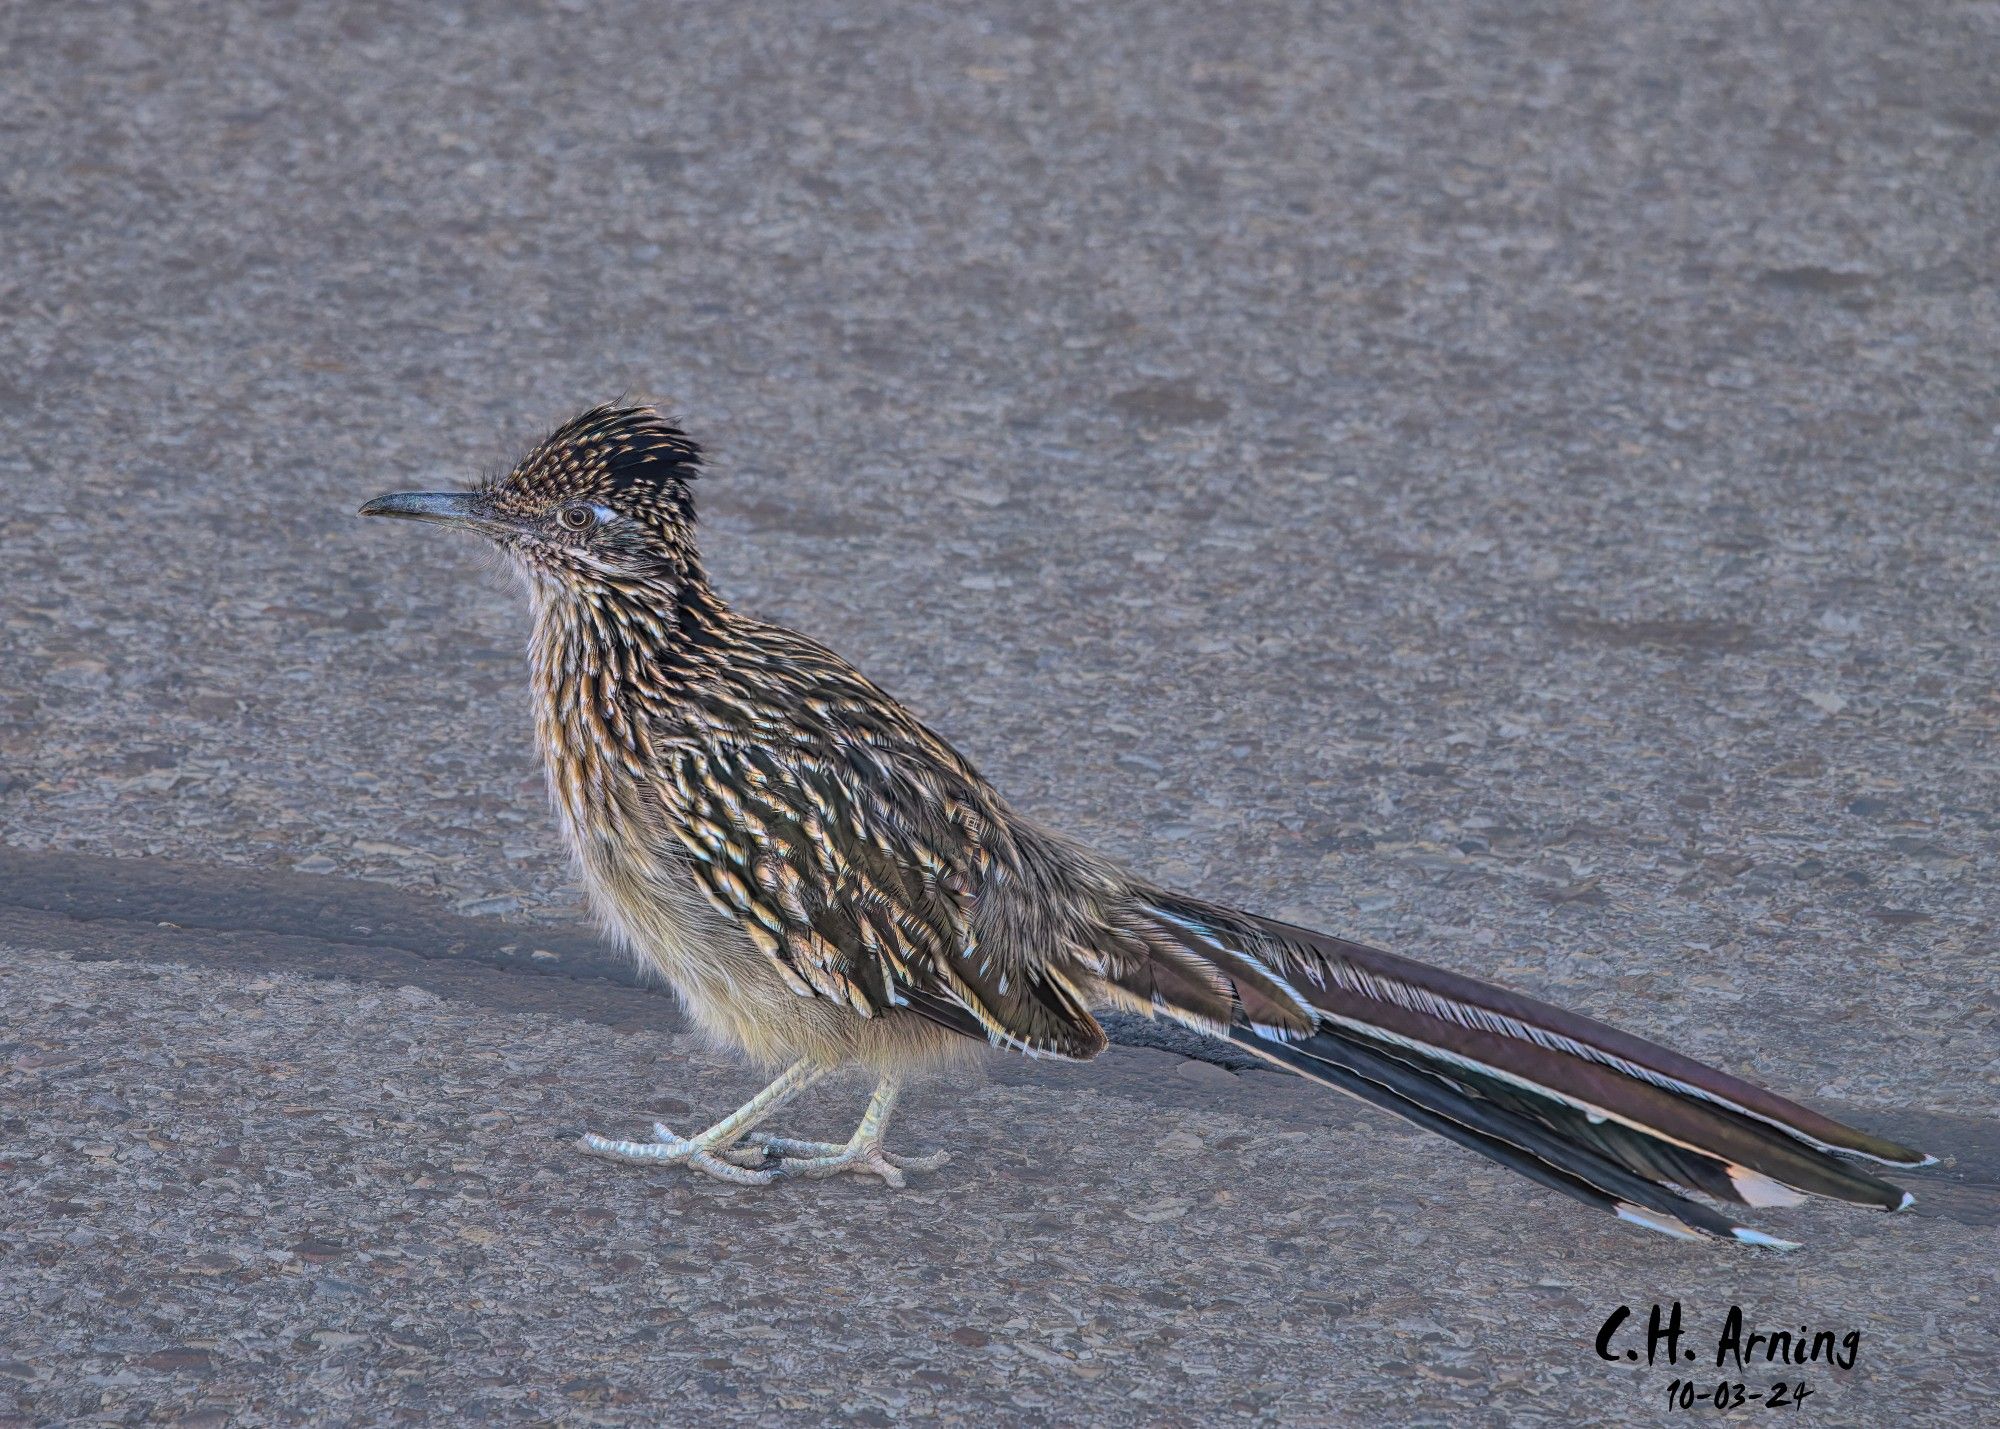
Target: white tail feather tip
pixel 1760 1190
pixel 1750 1237
pixel 1654 1221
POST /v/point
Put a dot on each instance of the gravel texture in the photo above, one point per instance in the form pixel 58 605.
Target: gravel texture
pixel 1511 482
pixel 268 1199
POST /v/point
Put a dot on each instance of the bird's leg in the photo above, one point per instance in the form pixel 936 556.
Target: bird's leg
pixel 718 1150
pixel 861 1152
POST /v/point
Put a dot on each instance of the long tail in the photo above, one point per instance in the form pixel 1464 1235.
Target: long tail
pixel 1615 1121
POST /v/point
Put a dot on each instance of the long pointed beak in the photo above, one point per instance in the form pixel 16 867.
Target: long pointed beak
pixel 453 508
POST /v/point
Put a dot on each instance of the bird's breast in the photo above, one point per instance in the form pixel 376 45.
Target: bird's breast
pixel 636 874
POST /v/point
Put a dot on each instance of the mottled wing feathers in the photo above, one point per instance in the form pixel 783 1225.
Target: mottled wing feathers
pixel 1040 1010
pixel 860 898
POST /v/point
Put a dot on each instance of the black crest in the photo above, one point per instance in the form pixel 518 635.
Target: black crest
pixel 630 458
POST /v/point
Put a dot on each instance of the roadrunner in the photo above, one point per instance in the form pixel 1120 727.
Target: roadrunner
pixel 826 882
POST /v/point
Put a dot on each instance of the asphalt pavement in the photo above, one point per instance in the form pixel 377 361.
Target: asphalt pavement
pixel 1512 483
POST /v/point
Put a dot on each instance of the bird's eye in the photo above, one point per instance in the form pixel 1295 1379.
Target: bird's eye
pixel 578 518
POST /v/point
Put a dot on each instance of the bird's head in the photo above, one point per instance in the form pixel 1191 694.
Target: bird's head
pixel 602 502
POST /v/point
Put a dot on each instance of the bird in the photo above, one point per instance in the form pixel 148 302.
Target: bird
pixel 826 883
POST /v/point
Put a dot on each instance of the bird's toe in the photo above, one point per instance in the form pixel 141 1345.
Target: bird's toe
pixel 737 1164
pixel 637 1152
pixel 866 1159
pixel 816 1168
pixel 771 1145
pixel 712 1164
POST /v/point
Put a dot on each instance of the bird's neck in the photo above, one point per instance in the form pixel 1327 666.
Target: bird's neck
pixel 607 655
pixel 626 638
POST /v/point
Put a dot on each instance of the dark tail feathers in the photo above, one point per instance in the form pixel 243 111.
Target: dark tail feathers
pixel 1615 1121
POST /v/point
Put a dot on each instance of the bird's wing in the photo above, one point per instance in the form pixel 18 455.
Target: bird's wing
pixel 858 879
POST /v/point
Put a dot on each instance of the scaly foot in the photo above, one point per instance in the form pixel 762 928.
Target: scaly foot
pixel 736 1162
pixel 719 1151
pixel 816 1159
